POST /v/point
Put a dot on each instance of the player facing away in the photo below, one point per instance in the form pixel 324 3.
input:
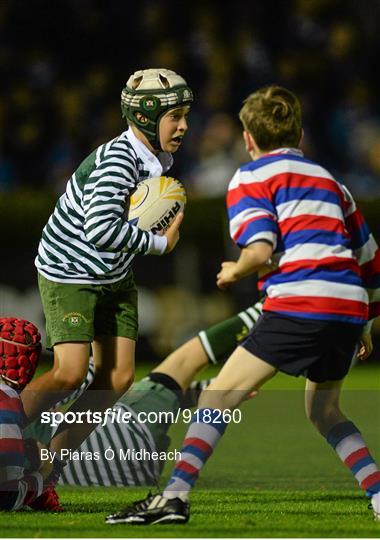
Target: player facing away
pixel 284 206
pixel 87 247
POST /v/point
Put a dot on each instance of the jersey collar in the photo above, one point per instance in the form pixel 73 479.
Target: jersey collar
pixel 156 165
pixel 293 151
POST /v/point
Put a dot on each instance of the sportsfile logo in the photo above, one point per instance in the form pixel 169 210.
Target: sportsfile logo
pixel 165 221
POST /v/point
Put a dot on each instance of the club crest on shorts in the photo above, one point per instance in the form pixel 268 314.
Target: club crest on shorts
pixel 74 319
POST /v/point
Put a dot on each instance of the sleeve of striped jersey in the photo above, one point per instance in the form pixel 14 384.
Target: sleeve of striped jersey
pixel 366 251
pixel 105 193
pixel 251 212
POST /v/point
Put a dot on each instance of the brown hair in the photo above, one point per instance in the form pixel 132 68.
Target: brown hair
pixel 272 115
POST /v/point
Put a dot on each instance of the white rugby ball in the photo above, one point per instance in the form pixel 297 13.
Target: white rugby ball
pixel 155 203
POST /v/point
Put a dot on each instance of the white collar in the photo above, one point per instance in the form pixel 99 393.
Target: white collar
pixel 295 151
pixel 156 165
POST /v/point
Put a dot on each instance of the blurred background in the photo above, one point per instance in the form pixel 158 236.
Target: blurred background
pixel 63 64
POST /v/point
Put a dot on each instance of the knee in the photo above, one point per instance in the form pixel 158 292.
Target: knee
pixel 215 397
pixel 68 381
pixel 121 381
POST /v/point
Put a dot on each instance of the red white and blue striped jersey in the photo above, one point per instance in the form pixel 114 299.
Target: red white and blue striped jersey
pixel 328 261
pixel 11 441
pixel 16 488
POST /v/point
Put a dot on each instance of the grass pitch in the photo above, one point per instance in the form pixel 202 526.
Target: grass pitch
pixel 215 513
pixel 271 476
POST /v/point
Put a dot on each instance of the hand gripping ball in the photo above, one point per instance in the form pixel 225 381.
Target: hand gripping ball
pixel 20 349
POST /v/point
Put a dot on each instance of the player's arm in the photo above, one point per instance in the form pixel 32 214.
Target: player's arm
pixel 251 259
pixel 172 233
pixel 366 345
pixel 367 253
pixel 105 193
pixel 253 226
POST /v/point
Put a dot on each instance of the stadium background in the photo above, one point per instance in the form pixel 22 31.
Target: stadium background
pixel 62 66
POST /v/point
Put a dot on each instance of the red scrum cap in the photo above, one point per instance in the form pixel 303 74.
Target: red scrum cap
pixel 20 348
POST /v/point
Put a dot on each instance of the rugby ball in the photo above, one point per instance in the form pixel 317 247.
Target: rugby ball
pixel 155 203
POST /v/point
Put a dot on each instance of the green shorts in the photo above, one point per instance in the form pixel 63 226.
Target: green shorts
pixel 80 312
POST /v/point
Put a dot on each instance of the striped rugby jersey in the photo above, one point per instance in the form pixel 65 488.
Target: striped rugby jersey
pixel 87 238
pixel 328 260
pixel 134 436
pixel 11 441
pixel 16 488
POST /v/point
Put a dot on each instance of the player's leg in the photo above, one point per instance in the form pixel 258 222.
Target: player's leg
pixel 160 393
pixel 116 324
pixel 276 342
pixel 221 339
pixel 274 338
pixel 322 407
pixel 211 346
pixel 69 311
pixel 323 410
pixel 68 372
pixel 242 373
pixel 184 363
pixel 114 358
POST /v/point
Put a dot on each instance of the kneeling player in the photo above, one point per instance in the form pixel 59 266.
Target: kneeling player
pixel 20 484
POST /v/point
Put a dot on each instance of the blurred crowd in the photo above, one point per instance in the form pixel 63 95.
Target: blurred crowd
pixel 63 64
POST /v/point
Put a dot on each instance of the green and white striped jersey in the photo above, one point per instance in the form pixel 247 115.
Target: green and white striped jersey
pixel 121 452
pixel 87 238
pixel 110 469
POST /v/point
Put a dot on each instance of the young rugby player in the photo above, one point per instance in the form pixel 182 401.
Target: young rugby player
pixel 283 206
pixel 20 483
pixel 87 248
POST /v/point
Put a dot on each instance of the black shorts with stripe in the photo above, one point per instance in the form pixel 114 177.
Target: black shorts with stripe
pixel 319 350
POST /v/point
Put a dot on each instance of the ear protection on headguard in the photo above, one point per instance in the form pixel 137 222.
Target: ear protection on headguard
pixel 20 348
pixel 148 94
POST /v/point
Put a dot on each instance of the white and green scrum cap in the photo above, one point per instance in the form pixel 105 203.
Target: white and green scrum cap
pixel 152 92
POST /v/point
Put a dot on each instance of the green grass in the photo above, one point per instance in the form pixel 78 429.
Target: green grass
pixel 272 475
pixel 226 513
pixel 217 513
